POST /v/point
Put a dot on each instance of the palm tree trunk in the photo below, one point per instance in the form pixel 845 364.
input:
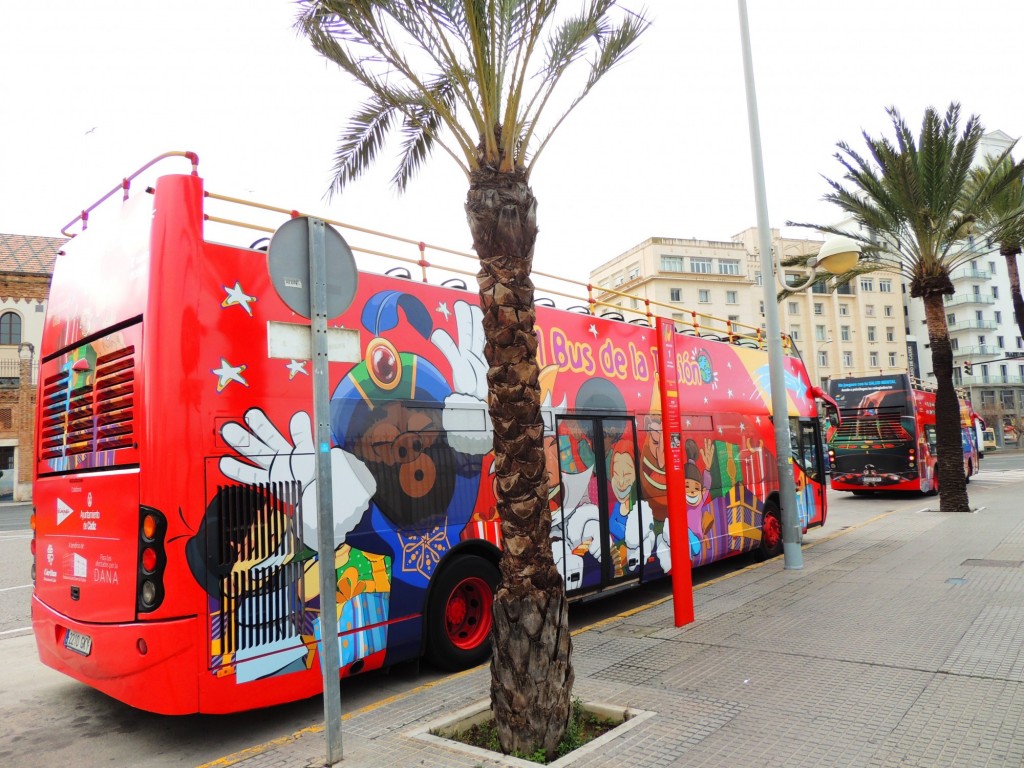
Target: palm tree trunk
pixel 1010 254
pixel 952 483
pixel 531 669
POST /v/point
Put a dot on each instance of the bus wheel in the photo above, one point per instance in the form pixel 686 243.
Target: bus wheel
pixel 970 471
pixel 771 532
pixel 459 614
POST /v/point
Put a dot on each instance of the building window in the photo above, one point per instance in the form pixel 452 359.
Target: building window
pixel 819 288
pixel 844 333
pixel 892 359
pixel 757 278
pixel 950 319
pixel 954 343
pixel 988 397
pixel 992 267
pixel 819 308
pixel 981 341
pixel 844 310
pixel 732 297
pixel 888 310
pixel 1006 395
pixel 844 289
pixel 995 291
pixel 734 318
pixel 890 333
pixel 867 284
pixel 1000 342
pixel 671 263
pixel 847 359
pixel 794 333
pixel 728 267
pixel 999 316
pixel 869 310
pixel 760 307
pixel 823 359
pixel 704 296
pixel 885 286
pixel 873 359
pixel 675 294
pixel 10 328
pixel 819 333
pixel 634 272
pixel 871 334
pixel 700 265
pixel 619 280
pixel 794 308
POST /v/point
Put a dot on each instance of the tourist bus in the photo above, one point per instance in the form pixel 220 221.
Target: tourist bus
pixel 175 533
pixel 886 441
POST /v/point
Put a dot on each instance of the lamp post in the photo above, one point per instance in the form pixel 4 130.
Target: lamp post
pixel 791 530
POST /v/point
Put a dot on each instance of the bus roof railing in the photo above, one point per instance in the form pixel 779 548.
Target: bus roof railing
pixel 454 267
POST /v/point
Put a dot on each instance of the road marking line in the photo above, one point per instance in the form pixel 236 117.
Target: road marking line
pixel 20 586
pixel 19 629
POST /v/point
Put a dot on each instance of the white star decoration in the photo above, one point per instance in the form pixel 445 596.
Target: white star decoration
pixel 593 330
pixel 442 308
pixel 237 296
pixel 295 367
pixel 228 373
pixel 729 393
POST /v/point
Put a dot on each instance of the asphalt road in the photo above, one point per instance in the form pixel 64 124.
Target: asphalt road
pixel 52 717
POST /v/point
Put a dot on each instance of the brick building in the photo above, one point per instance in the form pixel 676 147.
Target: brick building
pixel 26 266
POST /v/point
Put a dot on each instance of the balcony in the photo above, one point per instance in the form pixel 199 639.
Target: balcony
pixel 972 325
pixel 969 298
pixel 970 274
pixel 976 350
pixel 977 379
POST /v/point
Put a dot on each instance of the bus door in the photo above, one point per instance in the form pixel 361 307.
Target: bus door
pixel 808 470
pixel 596 529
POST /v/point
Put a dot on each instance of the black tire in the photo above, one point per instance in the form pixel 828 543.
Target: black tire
pixel 861 493
pixel 458 619
pixel 771 532
pixel 970 471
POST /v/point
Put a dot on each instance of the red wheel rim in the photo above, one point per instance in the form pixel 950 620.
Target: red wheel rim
pixel 772 531
pixel 467 614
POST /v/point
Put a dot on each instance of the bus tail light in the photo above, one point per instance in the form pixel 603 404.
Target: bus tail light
pixel 152 560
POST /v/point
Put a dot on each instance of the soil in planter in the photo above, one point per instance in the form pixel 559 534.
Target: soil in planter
pixel 583 727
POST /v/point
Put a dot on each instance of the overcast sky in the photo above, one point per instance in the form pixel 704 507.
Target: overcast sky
pixel 92 89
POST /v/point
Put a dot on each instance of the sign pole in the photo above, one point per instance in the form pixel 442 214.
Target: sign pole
pixel 675 476
pixel 330 656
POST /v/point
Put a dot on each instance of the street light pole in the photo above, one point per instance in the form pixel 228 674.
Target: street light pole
pixel 792 533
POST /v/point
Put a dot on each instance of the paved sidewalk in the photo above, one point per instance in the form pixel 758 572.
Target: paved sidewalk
pixel 898 644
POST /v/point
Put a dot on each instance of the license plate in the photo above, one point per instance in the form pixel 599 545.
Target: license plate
pixel 77 642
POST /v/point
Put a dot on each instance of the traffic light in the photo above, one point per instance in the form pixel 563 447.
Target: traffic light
pixel 967 367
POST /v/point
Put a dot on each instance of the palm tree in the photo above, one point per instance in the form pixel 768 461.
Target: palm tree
pixel 1004 219
pixel 912 211
pixel 476 79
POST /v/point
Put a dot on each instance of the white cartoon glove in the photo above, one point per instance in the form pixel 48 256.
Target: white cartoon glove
pixel 271 458
pixel 466 419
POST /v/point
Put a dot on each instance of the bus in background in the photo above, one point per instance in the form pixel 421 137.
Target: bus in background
pixel 175 534
pixel 886 439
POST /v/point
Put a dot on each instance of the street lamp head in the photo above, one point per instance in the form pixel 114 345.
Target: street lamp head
pixel 838 255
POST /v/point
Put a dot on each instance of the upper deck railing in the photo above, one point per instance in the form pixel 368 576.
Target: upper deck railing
pixel 414 259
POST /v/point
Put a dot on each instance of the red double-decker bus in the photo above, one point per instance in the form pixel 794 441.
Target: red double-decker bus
pixel 886 441
pixel 175 546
